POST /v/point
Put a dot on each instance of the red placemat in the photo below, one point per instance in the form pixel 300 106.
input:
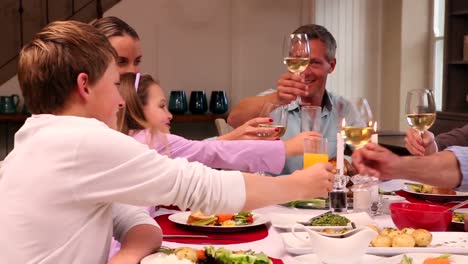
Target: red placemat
pixel 248 235
pixel 276 261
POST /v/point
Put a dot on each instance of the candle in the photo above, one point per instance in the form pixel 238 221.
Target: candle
pixel 375 137
pixel 339 153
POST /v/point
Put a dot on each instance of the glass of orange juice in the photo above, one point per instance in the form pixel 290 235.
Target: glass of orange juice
pixel 315 151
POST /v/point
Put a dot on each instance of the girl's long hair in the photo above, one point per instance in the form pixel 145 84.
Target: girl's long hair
pixel 131 117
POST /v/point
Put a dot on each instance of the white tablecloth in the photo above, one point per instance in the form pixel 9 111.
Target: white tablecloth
pixel 272 245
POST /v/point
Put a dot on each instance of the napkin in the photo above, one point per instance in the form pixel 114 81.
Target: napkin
pixel 248 235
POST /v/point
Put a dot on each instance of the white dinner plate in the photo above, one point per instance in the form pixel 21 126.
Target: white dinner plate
pixel 181 219
pixel 287 221
pixel 442 242
pixel 459 196
pixel 313 259
pixel 418 258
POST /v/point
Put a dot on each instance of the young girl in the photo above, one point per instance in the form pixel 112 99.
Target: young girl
pixel 146 118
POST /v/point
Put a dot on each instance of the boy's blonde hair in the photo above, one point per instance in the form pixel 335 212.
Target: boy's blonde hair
pixel 50 64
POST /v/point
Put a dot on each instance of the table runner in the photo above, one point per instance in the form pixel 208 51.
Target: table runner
pixel 244 236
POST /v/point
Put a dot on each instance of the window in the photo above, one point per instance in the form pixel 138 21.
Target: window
pixel 438 50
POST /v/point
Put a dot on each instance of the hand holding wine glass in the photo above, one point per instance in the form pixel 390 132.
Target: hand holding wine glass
pixel 279 114
pixel 420 109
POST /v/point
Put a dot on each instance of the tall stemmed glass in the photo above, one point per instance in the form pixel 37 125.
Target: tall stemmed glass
pixel 357 128
pixel 296 54
pixel 420 109
pixel 359 125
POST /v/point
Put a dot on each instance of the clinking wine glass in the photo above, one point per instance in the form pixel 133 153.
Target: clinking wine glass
pixel 420 109
pixel 296 54
pixel 279 114
pixel 357 128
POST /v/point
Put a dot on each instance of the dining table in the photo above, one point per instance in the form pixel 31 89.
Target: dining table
pixel 272 245
pixel 271 239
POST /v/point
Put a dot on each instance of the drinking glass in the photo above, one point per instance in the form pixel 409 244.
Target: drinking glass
pixel 315 151
pixel 218 102
pixel 177 102
pixel 311 118
pixel 296 54
pixel 198 103
pixel 358 127
pixel 279 114
pixel 420 109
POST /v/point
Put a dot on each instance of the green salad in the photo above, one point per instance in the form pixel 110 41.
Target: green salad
pixel 226 256
pixel 329 219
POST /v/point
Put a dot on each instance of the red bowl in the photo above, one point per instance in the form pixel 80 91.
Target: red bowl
pixel 418 215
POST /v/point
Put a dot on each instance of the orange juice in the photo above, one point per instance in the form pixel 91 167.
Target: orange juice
pixel 312 158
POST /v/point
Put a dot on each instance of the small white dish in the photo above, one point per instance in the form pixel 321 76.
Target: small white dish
pixel 351 248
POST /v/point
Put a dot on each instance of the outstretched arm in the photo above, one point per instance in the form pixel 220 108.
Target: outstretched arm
pixel 289 86
pixel 248 108
pixel 441 169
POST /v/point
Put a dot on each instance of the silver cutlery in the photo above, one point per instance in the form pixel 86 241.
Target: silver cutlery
pixel 453 208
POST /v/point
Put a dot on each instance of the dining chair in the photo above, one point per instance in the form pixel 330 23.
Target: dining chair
pixel 222 126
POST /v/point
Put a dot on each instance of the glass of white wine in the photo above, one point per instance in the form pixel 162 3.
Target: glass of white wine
pixel 420 109
pixel 279 114
pixel 296 54
pixel 357 128
pixel 358 125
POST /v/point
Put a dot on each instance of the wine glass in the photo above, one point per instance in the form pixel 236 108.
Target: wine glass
pixel 420 109
pixel 358 125
pixel 279 114
pixel 296 54
pixel 357 128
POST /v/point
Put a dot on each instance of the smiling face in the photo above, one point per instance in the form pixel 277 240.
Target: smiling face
pixel 155 110
pixel 105 100
pixel 129 51
pixel 317 72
